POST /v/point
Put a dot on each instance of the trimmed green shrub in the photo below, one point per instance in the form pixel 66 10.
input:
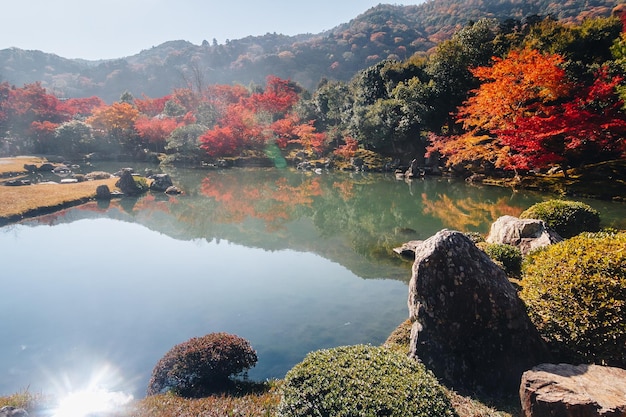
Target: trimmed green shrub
pixel 202 365
pixel 567 218
pixel 509 257
pixel 361 381
pixel 575 292
pixel 400 338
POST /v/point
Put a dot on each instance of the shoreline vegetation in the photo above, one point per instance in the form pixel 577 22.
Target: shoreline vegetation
pixel 604 181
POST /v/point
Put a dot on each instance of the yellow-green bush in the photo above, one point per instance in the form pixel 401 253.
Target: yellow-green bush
pixel 575 292
pixel 507 256
pixel 362 381
pixel 567 218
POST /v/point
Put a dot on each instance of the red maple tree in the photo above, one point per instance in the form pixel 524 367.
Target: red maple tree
pixel 587 129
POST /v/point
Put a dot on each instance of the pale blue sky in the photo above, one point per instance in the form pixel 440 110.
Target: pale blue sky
pixel 102 29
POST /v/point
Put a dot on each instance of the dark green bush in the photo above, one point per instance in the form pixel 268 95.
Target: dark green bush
pixel 567 218
pixel 575 292
pixel 509 257
pixel 361 381
pixel 202 365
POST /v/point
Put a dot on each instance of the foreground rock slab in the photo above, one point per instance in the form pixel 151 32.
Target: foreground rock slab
pixel 565 390
pixel 9 411
pixel 469 326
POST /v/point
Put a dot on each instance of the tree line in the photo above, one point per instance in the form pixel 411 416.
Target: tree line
pixel 497 97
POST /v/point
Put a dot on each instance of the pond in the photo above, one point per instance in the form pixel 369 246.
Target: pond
pixel 291 261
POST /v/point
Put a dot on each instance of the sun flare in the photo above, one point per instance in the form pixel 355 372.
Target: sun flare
pixel 99 395
pixel 91 402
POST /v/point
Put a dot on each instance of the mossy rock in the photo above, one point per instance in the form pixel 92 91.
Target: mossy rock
pixel 575 293
pixel 363 381
pixel 567 218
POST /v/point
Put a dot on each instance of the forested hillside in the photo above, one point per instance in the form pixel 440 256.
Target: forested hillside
pixel 385 31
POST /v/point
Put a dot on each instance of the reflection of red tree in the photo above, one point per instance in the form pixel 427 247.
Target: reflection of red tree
pixel 468 212
pixel 150 204
pixel 273 203
pixel 346 189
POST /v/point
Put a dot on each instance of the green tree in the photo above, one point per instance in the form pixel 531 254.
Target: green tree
pixel 74 137
pixel 183 146
pixel 449 67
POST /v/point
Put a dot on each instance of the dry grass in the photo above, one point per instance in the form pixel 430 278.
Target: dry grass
pixel 166 405
pixel 15 165
pixel 17 202
pixel 22 201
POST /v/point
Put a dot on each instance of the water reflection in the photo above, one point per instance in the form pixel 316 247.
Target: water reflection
pixel 112 291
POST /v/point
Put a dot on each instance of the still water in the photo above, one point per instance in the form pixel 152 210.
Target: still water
pixel 291 261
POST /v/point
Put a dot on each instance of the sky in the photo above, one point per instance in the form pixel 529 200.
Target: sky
pixel 107 29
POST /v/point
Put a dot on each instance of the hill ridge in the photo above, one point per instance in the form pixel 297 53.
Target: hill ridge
pixel 385 31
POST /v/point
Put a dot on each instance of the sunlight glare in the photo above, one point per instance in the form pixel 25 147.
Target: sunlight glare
pixel 91 401
pixel 98 397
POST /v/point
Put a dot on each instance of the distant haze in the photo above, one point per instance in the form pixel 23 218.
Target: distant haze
pixel 105 29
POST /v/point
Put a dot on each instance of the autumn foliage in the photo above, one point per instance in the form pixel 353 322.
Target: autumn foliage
pixel 587 129
pixel 249 122
pixel 528 114
pixel 202 365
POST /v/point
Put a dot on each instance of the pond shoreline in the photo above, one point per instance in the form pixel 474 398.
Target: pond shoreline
pixel 606 181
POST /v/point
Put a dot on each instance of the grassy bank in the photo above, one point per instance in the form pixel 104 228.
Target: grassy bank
pixel 18 202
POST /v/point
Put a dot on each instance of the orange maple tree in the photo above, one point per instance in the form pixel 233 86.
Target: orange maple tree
pixel 513 86
pixel 521 84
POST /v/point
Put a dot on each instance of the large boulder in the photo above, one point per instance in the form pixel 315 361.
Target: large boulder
pixel 469 326
pixel 103 192
pixel 565 390
pixel 127 183
pixel 161 182
pixel 526 234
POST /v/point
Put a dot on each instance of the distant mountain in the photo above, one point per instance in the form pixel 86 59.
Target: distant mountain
pixel 384 31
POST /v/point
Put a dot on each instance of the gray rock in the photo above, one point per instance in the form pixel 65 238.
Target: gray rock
pixel 161 182
pixel 97 175
pixel 46 167
pixel 17 183
pixel 526 234
pixel 565 390
pixel 469 326
pixel 408 249
pixel 9 411
pixel 127 184
pixel 173 190
pixel 103 192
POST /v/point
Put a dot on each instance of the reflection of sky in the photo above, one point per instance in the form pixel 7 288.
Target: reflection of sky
pixel 96 293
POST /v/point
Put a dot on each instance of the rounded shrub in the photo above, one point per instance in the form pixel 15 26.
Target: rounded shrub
pixel 361 381
pixel 575 292
pixel 509 257
pixel 567 218
pixel 202 365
